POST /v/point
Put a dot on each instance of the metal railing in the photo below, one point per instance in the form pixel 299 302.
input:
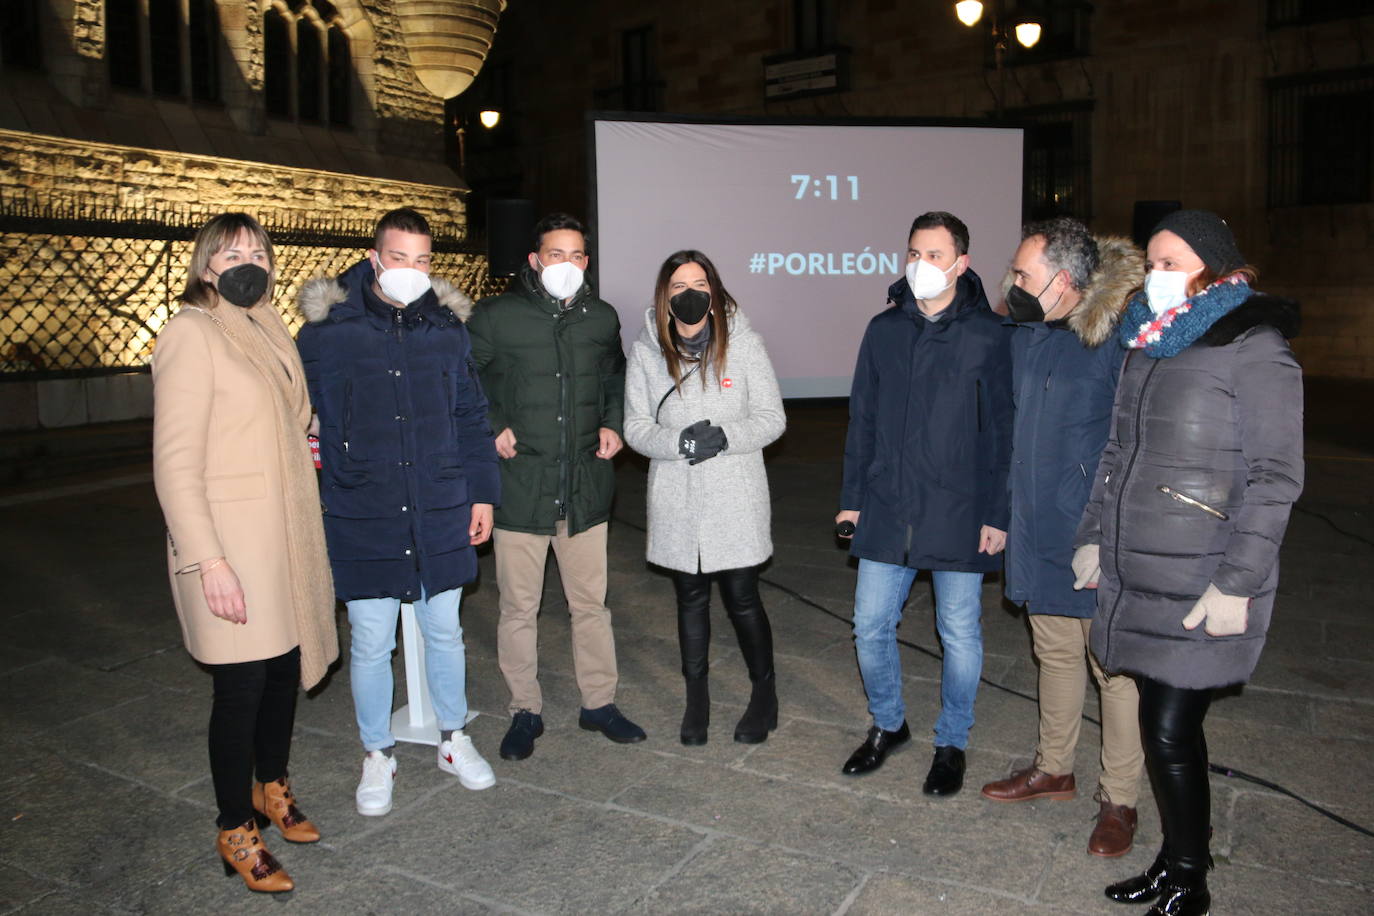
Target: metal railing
pixel 85 289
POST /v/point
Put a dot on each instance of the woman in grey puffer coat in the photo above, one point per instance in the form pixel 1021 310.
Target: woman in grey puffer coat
pixel 1181 535
pixel 701 401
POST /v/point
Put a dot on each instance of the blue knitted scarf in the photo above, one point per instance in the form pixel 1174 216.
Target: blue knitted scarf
pixel 1169 334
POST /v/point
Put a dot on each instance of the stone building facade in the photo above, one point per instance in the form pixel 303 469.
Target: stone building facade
pixel 316 116
pixel 1262 110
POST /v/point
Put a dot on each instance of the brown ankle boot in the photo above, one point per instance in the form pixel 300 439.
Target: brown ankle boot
pixel 274 802
pixel 242 850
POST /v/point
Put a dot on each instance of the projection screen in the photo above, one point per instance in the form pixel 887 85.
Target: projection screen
pixel 807 223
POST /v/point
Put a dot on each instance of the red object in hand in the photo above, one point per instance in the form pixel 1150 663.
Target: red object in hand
pixel 315 450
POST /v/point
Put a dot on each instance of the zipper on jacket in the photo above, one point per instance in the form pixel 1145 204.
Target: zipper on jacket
pixel 978 401
pixel 347 412
pixel 563 409
pixel 1047 380
pixel 1195 503
pixel 1125 480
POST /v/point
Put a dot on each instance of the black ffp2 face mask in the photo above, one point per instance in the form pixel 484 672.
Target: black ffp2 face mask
pixel 1024 307
pixel 243 285
pixel 690 305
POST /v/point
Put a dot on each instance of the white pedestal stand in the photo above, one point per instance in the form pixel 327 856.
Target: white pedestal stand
pixel 415 722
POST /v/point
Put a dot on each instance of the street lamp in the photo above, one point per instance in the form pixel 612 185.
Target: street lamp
pixel 1025 26
pixel 489 117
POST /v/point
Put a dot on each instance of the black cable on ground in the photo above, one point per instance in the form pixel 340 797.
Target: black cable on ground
pixel 1217 768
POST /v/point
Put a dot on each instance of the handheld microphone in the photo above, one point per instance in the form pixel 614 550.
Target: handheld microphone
pixel 845 529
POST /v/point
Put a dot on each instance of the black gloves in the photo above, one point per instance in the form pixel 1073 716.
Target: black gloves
pixel 700 441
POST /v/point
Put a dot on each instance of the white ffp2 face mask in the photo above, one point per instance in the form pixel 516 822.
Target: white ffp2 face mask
pixel 403 284
pixel 1166 289
pixel 561 279
pixel 926 280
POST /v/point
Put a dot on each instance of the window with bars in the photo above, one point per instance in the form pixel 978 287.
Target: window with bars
pixel 1321 138
pixel 21 46
pixel 180 39
pixel 639 70
pixel 308 68
pixel 813 24
pixel 164 41
pixel 203 31
pixel 1302 12
pixel 1057 161
pixel 124 43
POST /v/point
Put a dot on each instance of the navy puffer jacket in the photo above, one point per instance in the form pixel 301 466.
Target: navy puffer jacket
pixel 925 460
pixel 1064 376
pixel 404 440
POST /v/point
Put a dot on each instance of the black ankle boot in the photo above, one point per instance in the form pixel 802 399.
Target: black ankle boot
pixel 1141 888
pixel 698 715
pixel 761 715
pixel 1183 894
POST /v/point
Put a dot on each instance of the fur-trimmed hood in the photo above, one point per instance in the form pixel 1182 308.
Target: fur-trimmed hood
pixel 320 295
pixel 1283 315
pixel 1120 272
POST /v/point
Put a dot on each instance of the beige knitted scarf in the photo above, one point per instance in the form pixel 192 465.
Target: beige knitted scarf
pixel 262 336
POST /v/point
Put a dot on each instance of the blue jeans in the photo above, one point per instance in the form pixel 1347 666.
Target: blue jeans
pixel 373 621
pixel 878 598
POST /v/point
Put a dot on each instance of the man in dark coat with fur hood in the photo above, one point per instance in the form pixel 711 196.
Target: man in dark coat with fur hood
pixel 409 480
pixel 1066 291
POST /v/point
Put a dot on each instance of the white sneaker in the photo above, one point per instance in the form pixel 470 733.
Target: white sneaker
pixel 374 789
pixel 459 757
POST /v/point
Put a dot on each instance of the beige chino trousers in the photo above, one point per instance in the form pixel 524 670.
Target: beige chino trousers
pixel 520 559
pixel 1061 645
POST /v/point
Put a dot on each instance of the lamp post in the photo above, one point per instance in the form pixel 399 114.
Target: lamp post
pixel 1025 26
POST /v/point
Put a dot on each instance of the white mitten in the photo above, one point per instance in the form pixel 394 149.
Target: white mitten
pixel 1226 615
pixel 1086 567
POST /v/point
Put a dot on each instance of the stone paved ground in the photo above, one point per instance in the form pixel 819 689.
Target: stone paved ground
pixel 106 805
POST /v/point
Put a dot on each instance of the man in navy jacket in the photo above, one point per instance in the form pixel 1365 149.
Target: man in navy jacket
pixel 1067 294
pixel 925 484
pixel 409 479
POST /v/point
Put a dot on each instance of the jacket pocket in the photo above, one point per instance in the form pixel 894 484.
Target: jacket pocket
pixel 229 488
pixel 1193 503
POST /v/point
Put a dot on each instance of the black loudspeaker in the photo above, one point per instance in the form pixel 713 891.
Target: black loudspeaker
pixel 510 224
pixel 1147 215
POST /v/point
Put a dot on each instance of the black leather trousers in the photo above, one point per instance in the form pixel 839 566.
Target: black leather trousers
pixel 739 591
pixel 1176 759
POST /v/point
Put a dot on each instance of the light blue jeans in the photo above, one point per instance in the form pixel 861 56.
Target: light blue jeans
pixel 878 598
pixel 373 622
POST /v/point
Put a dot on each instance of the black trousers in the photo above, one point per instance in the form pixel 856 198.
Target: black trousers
pixel 1176 759
pixel 739 591
pixel 250 723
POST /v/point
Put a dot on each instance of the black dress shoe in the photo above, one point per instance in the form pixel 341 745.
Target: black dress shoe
pixel 874 750
pixel 525 726
pixel 1142 888
pixel 610 722
pixel 946 774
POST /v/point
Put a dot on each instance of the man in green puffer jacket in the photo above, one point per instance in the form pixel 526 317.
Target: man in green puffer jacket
pixel 550 359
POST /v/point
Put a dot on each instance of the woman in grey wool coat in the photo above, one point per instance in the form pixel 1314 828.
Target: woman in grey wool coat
pixel 1181 535
pixel 701 401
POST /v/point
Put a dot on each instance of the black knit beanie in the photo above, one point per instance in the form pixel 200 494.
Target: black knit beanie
pixel 1209 237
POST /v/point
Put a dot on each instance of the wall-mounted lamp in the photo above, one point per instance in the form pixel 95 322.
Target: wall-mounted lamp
pixel 489 117
pixel 1025 26
pixel 969 12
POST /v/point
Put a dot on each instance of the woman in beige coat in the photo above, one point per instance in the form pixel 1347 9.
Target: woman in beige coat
pixel 245 543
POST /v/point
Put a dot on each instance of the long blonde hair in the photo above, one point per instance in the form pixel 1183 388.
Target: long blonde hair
pixel 212 238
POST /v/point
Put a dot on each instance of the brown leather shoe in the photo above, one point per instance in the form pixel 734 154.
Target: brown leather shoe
pixel 242 850
pixel 274 802
pixel 1024 785
pixel 1114 833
